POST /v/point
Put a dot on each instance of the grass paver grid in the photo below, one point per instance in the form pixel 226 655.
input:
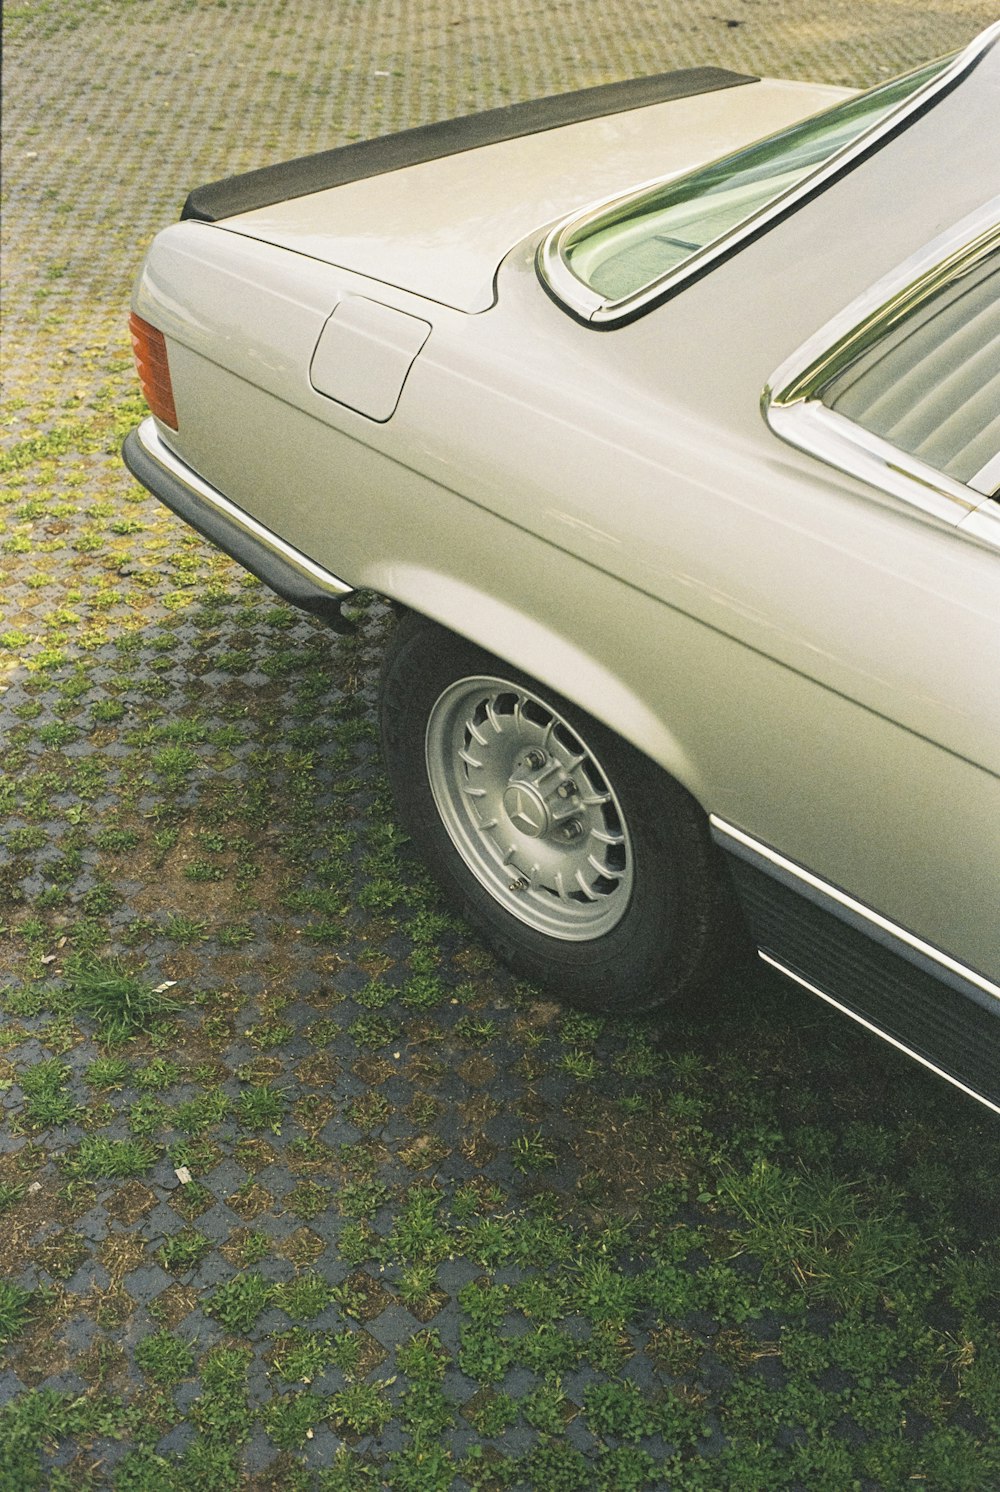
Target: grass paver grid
pixel 298 1189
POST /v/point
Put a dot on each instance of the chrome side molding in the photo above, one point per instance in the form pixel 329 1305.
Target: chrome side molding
pixel 878 1031
pixel 897 986
pixel 847 909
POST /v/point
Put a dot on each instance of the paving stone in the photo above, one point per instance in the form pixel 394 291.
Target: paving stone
pixel 146 1283
pixel 320 1451
pixel 176 1441
pixel 224 1179
pixel 10 1385
pixel 93 1225
pixel 90 1276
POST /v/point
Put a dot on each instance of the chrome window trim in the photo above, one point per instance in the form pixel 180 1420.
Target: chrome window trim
pixel 877 1031
pixel 890 934
pixel 153 443
pixel 792 406
pixel 597 310
pixel 839 442
pixel 984 523
pixel 987 479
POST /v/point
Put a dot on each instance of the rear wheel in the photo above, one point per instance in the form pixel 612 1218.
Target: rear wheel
pixel 582 864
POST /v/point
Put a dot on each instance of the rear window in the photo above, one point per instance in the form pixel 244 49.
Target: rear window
pixel 616 258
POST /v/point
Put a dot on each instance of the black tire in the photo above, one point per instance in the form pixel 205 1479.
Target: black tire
pixel 668 932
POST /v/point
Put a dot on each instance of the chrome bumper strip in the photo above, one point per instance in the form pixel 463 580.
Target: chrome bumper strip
pixel 293 575
pixel 152 442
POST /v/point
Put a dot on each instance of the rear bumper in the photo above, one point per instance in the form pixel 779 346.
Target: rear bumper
pixel 296 578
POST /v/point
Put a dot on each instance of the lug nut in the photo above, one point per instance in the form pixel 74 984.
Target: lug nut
pixel 567 789
pixel 572 830
pixel 535 759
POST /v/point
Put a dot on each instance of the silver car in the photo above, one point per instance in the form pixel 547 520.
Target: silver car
pixel 668 414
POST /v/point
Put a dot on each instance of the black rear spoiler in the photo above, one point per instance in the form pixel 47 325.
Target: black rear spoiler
pixel 429 142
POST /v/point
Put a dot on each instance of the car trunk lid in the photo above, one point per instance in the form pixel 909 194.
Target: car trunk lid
pixel 440 227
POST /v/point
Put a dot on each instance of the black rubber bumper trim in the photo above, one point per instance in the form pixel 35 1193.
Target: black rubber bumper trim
pixel 430 142
pixel 252 553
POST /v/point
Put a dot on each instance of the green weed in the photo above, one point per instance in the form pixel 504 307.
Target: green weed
pixel 290 1420
pixel 165 1358
pixel 184 1251
pixel 97 1157
pixel 305 1297
pixel 15 1309
pixel 240 1301
pixel 360 1408
pixel 122 1003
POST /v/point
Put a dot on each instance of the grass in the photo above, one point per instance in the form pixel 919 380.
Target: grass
pixel 98 1157
pixel 184 1251
pixel 119 1001
pixel 164 1358
pixel 238 1303
pixel 15 1309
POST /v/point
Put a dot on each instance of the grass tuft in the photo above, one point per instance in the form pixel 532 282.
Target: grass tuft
pixel 15 1309
pixel 121 1002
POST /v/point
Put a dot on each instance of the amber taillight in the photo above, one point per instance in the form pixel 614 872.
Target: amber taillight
pixel 150 352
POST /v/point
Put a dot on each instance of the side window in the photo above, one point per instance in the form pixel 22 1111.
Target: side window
pixel 903 389
pixel 616 259
pixel 930 384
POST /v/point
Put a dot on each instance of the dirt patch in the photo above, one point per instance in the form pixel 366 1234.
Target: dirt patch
pixel 364 1297
pixel 174 1303
pixel 60 1254
pixel 478 1111
pixel 110 1308
pixel 320 1071
pixel 302 1247
pixel 24 1223
pixel 372 1354
pixel 252 1202
pixel 314 1111
pixel 428 1308
pixel 253 1155
pixel 477 1071
pixel 39 1356
pixel 104 1363
pixel 129 1202
pixel 629 1154
pixel 372 1071
pixel 374 964
pixel 424 1153
pixel 478 1151
pixel 178 882
pixel 120 1253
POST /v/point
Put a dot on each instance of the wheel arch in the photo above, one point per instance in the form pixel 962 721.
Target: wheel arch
pixel 541 652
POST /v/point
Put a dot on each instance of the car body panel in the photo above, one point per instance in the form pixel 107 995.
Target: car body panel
pixel 364 353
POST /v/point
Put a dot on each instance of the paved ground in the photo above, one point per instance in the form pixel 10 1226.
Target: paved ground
pixel 294 1183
